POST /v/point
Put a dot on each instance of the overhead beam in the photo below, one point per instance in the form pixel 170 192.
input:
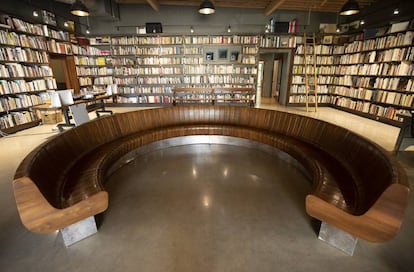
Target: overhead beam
pixel 154 4
pixel 275 4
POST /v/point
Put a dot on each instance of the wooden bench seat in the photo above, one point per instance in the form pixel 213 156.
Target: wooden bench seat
pixel 356 187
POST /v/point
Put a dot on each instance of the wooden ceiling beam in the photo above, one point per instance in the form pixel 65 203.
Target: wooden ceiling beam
pixel 154 4
pixel 272 6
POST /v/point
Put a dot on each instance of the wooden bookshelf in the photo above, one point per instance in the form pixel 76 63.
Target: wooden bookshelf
pixel 146 68
pixel 25 74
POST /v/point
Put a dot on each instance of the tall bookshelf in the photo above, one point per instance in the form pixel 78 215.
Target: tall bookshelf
pixel 146 68
pixel 91 64
pixel 375 77
pixel 324 62
pixel 25 74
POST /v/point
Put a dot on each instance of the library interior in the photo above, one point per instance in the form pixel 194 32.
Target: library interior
pixel 222 135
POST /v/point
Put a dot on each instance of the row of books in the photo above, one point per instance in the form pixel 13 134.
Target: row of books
pixel 398 99
pixel 278 41
pixel 86 50
pixel 55 34
pixel 149 71
pixel 21 101
pixel 301 89
pixel 16 118
pixel 126 80
pixel 248 59
pixel 36 29
pixel 390 55
pixel 220 69
pixel 8 70
pixel 59 47
pixel 137 40
pixel 400 84
pixel 94 71
pixel 85 81
pixel 402 39
pixel 23 26
pixel 360 93
pixel 98 61
pixel 300 99
pixel 18 54
pixel 345 102
pixel 156 60
pixel 144 90
pixel 104 80
pixel 146 99
pixel 318 49
pixel 160 80
pixel 22 86
pixel 388 112
pixel 378 69
pixel 14 39
pixel 249 50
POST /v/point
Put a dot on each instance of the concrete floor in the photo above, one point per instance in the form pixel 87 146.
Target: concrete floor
pixel 172 212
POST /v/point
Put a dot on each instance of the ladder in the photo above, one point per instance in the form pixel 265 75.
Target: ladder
pixel 311 83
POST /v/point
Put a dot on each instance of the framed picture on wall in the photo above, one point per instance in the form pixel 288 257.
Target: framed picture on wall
pixel 234 56
pixel 209 56
pixel 222 54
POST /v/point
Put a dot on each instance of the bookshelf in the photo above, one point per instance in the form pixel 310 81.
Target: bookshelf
pixel 374 77
pixel 325 65
pixel 146 68
pixel 92 66
pixel 25 74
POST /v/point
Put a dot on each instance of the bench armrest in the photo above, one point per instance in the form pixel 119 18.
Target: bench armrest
pixel 379 224
pixel 39 216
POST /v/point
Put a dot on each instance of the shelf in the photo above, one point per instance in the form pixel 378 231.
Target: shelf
pixel 369 116
pixel 21 127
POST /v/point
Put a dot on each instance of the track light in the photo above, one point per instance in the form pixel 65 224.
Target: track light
pixel 192 29
pixel 35 13
pixel 65 24
pixel 229 29
pixel 206 7
pixel 362 22
pixel 88 31
pixel 351 7
pixel 79 9
pixel 396 11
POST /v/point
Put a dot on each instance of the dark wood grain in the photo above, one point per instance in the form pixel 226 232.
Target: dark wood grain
pixel 357 186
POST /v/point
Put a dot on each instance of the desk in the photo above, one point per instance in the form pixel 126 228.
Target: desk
pixel 95 103
pixel 408 122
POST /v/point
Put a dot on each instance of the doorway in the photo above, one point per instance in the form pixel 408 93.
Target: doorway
pixel 274 75
pixel 64 72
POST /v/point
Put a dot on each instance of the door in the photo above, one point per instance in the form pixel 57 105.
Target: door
pixel 64 71
pixel 276 78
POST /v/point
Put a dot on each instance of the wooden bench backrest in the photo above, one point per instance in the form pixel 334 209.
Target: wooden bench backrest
pixel 368 163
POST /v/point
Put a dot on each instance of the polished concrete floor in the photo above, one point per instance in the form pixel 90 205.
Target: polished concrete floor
pixel 202 208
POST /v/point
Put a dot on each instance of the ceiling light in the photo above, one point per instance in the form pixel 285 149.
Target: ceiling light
pixel 65 24
pixel 362 22
pixel 206 7
pixel 192 29
pixel 87 31
pixel 351 7
pixel 229 29
pixel 79 9
pixel 35 13
pixel 396 11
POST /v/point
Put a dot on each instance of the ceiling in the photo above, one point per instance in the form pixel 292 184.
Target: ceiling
pixel 268 6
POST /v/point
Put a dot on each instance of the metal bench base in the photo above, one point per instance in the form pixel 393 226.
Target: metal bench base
pixel 338 238
pixel 79 231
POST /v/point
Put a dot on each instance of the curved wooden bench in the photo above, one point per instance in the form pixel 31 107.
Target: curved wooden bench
pixel 357 186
